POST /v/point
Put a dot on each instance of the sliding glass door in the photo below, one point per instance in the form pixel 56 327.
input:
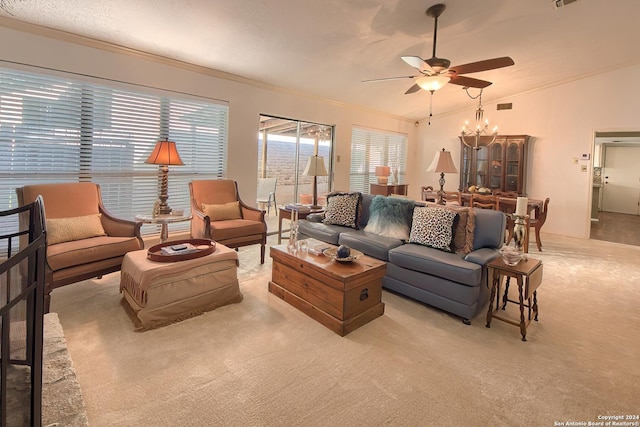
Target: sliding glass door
pixel 285 147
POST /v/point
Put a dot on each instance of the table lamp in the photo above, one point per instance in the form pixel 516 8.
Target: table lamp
pixel 442 163
pixel 164 154
pixel 383 172
pixel 315 168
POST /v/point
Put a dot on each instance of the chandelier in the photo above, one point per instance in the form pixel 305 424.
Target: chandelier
pixel 480 136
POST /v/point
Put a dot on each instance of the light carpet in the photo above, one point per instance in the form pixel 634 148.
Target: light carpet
pixel 264 363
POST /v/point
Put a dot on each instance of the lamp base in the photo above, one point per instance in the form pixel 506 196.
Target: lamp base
pixel 383 180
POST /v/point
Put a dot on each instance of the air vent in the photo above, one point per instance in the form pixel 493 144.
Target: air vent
pixel 506 106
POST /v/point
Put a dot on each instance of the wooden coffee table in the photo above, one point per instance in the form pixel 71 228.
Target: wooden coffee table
pixel 341 296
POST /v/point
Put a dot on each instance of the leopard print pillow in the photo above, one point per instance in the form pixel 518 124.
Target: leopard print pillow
pixel 343 209
pixel 433 227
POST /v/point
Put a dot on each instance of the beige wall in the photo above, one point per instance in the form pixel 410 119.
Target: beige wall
pixel 560 119
pixel 247 100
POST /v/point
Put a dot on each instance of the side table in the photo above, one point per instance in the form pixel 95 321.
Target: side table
pixel 164 220
pixel 528 274
pixel 286 214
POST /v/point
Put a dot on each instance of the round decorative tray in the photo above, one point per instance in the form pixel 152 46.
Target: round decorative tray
pixel 203 247
pixel 331 253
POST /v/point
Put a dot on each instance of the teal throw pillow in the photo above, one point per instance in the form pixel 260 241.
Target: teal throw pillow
pixel 390 217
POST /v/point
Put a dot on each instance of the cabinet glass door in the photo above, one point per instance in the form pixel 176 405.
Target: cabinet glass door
pixel 513 167
pixel 495 167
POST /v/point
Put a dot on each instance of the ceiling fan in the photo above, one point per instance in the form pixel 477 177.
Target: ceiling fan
pixel 436 72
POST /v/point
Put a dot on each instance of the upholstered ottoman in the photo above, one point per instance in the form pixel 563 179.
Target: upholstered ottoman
pixel 163 292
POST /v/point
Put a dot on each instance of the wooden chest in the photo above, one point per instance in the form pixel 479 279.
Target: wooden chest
pixel 341 296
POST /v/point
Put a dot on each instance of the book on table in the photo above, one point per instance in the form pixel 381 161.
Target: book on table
pixel 298 207
pixel 178 249
pixel 317 247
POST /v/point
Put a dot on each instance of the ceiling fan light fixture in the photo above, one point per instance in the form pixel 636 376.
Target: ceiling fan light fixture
pixel 432 83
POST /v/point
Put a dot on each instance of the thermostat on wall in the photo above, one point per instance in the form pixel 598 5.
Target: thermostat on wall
pixel 586 156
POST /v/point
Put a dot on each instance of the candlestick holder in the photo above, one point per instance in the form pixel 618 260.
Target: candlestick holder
pixel 519 230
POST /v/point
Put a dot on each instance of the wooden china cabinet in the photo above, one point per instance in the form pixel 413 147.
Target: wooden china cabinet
pixel 501 167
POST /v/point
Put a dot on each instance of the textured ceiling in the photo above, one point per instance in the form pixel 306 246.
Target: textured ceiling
pixel 326 48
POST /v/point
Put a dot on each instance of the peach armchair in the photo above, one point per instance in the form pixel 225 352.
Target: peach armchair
pixel 83 239
pixel 219 214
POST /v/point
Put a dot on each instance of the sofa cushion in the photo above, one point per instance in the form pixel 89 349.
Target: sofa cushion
pixel 61 230
pixel 490 229
pixel 433 227
pixel 465 228
pixel 343 209
pixel 437 263
pixel 370 244
pixel 325 232
pixel 85 251
pixel 222 211
pixel 390 217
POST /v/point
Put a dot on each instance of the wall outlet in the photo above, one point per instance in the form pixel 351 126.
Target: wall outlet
pixel 584 168
pixel 575 160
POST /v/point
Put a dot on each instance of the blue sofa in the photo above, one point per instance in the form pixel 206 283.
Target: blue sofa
pixel 454 282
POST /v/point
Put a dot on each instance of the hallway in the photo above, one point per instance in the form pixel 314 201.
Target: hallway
pixel 615 227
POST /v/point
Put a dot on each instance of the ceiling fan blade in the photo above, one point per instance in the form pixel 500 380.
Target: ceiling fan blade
pixel 487 64
pixel 419 63
pixel 389 78
pixel 469 82
pixel 412 89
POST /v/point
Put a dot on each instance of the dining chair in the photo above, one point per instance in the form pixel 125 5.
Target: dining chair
pixel 538 222
pixel 453 198
pixel 484 201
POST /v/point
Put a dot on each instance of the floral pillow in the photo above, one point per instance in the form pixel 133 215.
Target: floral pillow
pixel 343 209
pixel 433 227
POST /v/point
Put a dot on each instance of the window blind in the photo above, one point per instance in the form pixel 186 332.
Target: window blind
pixel 54 129
pixel 371 148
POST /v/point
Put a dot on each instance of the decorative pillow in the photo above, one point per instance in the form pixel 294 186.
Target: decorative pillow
pixel 343 209
pixel 433 227
pixel 223 211
pixel 465 228
pixel 390 217
pixel 61 230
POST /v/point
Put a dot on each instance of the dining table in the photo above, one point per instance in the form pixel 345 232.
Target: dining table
pixel 506 204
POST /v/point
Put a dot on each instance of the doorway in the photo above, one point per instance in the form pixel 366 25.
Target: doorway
pixel 615 212
pixel 285 146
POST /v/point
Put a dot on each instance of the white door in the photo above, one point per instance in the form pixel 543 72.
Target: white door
pixel 621 179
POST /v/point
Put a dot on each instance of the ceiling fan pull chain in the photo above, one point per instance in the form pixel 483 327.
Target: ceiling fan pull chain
pixel 430 106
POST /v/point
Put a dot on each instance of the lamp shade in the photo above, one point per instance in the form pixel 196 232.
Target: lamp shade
pixel 383 171
pixel 442 162
pixel 165 153
pixel 315 167
pixel 432 83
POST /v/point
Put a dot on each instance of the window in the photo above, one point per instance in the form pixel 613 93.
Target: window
pixel 371 148
pixel 54 129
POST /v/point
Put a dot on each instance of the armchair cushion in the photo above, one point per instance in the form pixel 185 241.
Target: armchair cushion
pixel 91 250
pixel 60 230
pixel 221 212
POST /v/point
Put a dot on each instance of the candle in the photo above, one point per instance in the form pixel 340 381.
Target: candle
pixel 521 206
